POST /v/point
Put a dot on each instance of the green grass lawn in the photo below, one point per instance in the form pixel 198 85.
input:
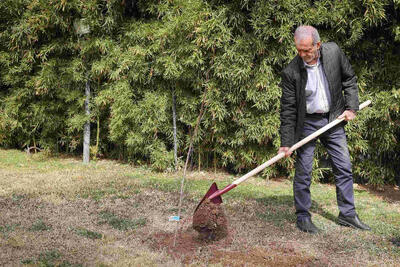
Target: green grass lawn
pixel 102 213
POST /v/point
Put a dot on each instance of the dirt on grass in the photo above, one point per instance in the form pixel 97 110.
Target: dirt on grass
pixel 189 248
pixel 92 232
pixel 186 245
pixel 103 217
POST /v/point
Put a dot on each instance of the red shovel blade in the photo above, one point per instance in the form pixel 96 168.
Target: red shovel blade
pixel 212 190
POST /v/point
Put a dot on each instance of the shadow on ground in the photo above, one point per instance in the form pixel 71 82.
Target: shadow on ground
pixel 388 193
pixel 280 210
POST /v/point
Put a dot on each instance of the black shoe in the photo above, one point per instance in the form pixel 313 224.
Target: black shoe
pixel 354 222
pixel 306 225
pixel 396 241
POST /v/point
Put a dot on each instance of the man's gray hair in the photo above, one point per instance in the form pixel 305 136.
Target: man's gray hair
pixel 305 31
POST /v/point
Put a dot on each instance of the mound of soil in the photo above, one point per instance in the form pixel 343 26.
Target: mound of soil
pixel 210 221
pixel 188 245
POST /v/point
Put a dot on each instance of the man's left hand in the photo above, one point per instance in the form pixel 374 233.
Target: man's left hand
pixel 348 115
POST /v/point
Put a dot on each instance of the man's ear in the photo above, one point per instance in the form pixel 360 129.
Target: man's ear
pixel 318 45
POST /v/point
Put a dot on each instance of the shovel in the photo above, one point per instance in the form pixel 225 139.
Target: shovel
pixel 214 194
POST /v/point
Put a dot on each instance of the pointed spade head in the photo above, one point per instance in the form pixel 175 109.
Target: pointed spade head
pixel 212 190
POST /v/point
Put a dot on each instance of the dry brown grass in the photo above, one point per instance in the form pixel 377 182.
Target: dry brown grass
pixel 67 196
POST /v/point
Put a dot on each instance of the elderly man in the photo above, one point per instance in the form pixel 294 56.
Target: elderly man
pixel 318 86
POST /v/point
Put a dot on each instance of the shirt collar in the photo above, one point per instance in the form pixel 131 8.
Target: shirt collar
pixel 313 65
pixel 318 61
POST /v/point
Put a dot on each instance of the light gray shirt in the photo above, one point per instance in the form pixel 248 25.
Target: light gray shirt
pixel 318 97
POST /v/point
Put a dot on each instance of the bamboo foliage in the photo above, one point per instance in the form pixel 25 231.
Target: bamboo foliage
pixel 231 52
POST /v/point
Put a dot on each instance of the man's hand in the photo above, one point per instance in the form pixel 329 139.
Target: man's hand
pixel 348 115
pixel 286 150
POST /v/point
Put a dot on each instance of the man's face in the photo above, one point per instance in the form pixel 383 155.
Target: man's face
pixel 307 51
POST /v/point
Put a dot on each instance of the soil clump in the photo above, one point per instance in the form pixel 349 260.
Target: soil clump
pixel 210 221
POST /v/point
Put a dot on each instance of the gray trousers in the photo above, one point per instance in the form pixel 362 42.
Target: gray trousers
pixel 334 140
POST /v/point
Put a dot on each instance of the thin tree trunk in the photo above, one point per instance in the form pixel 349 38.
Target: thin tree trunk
pixel 207 159
pixel 174 125
pixel 202 108
pixel 199 158
pixel 97 137
pixel 98 128
pixel 215 162
pixel 86 131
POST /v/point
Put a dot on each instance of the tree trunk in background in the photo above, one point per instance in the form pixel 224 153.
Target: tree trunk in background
pixel 174 125
pixel 86 131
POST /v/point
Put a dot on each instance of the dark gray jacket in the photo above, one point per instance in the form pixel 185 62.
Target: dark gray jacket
pixel 342 86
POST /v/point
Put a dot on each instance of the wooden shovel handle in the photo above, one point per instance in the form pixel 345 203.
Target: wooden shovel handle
pixel 294 147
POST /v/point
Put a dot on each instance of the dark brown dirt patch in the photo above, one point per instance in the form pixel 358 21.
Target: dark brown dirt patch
pixel 210 221
pixel 189 248
pixel 188 245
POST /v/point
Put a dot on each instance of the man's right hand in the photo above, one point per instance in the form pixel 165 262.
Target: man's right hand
pixel 285 149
